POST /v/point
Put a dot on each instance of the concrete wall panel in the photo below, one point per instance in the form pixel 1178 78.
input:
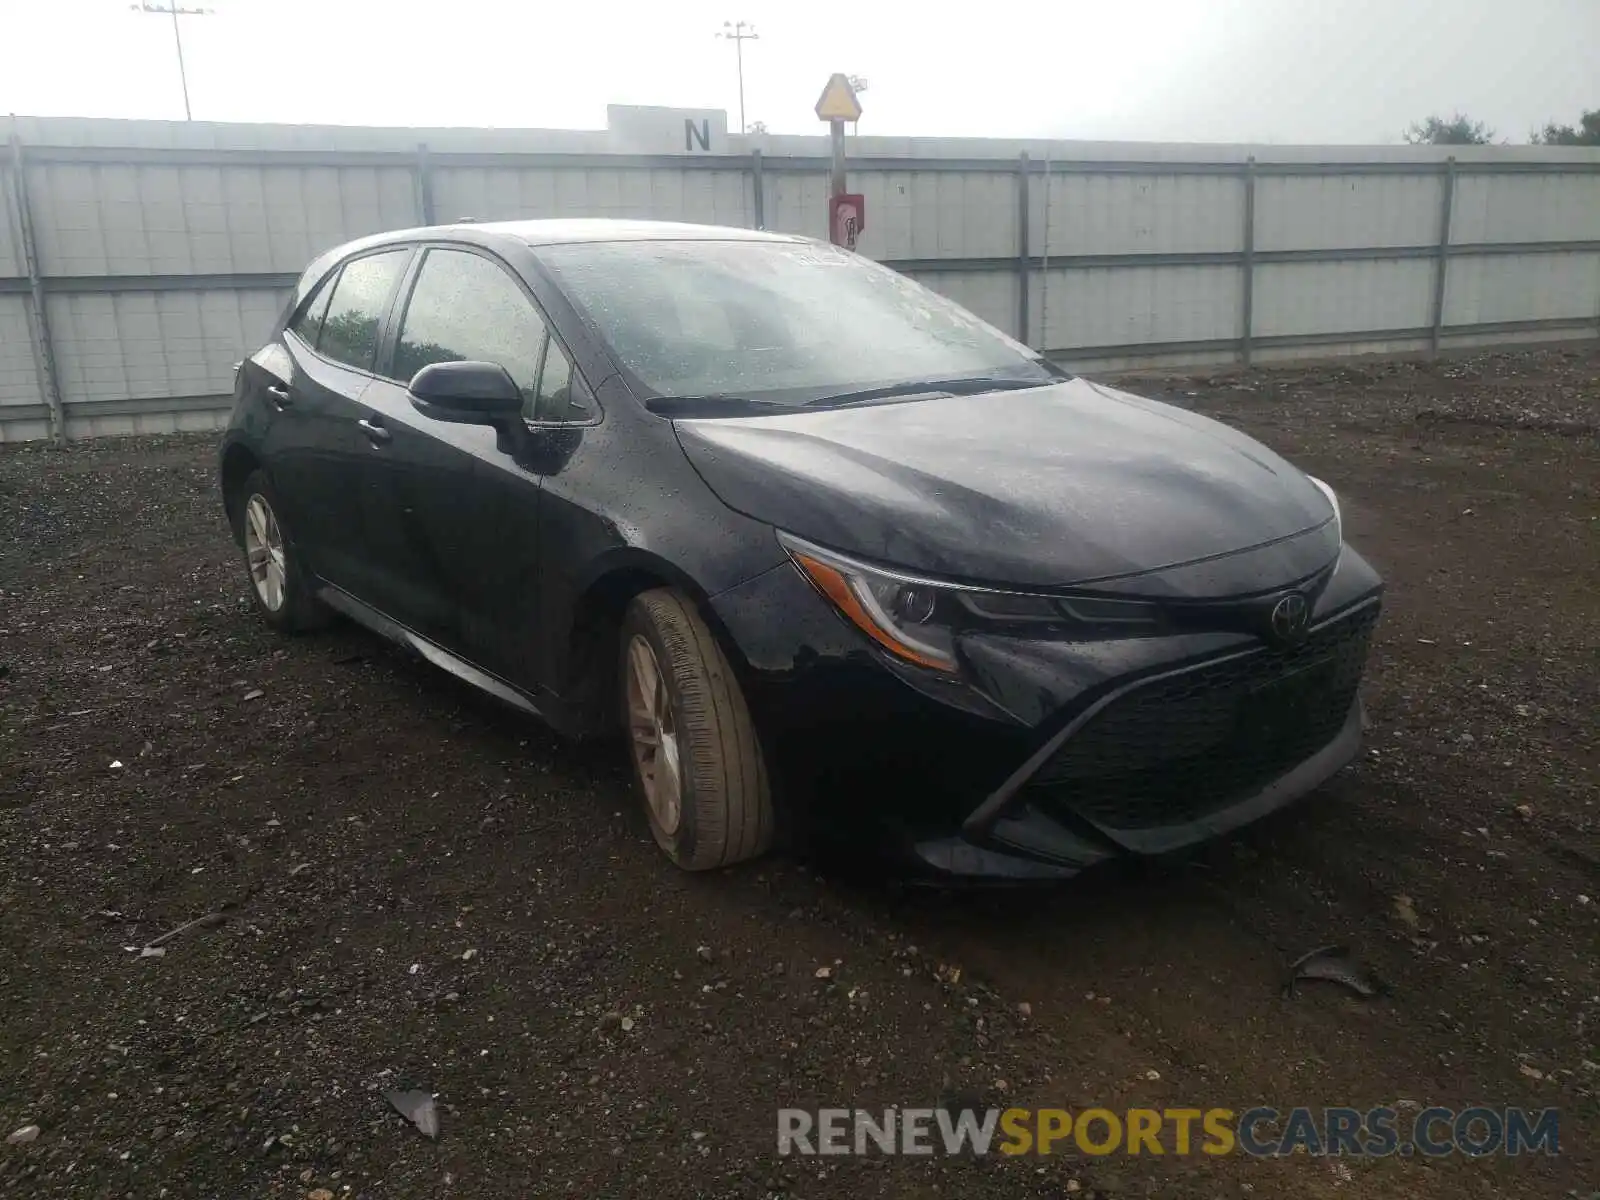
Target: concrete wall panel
pixel 10 248
pixel 1305 212
pixel 1117 306
pixel 1136 214
pixel 1340 297
pixel 989 295
pixel 502 193
pixel 1522 287
pixel 132 345
pixel 25 429
pixel 798 203
pixel 1526 208
pixel 18 382
pixel 110 219
pixel 938 214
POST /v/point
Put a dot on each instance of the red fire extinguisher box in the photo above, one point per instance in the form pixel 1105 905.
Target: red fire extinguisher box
pixel 847 217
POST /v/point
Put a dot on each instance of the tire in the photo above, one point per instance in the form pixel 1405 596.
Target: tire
pixel 284 600
pixel 724 804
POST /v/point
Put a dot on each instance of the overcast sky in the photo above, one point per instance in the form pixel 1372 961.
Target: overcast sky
pixel 1163 70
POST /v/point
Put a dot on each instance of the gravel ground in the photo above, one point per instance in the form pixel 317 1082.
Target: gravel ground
pixel 424 890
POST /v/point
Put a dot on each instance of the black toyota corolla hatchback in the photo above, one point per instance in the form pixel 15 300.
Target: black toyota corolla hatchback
pixel 836 555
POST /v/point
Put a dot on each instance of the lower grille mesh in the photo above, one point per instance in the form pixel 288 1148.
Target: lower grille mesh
pixel 1181 747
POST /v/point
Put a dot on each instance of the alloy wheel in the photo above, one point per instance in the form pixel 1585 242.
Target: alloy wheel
pixel 263 545
pixel 653 733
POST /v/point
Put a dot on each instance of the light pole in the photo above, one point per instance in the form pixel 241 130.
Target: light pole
pixel 171 9
pixel 739 32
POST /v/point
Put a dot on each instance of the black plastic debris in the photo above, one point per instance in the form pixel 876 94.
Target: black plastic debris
pixel 1333 964
pixel 416 1107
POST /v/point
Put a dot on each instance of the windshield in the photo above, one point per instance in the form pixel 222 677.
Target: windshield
pixel 787 322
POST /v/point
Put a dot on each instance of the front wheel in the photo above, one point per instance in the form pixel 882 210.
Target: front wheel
pixel 695 755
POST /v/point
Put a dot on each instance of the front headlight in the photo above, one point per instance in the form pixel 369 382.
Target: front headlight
pixel 1333 499
pixel 918 619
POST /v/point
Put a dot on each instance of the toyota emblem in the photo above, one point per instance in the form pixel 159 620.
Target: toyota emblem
pixel 1289 619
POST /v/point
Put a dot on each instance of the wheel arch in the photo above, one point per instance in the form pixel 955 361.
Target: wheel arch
pixel 238 462
pixel 588 658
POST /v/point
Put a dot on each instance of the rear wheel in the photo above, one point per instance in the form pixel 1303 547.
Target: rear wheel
pixel 278 583
pixel 696 759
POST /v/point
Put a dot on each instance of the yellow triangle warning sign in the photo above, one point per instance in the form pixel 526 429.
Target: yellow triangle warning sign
pixel 838 101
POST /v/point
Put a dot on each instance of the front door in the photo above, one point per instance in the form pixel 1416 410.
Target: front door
pixel 439 538
pixel 505 616
pixel 425 528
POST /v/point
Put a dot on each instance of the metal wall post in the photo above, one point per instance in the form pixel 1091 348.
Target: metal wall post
pixel 1248 264
pixel 423 179
pixel 1022 248
pixel 758 189
pixel 44 362
pixel 1442 264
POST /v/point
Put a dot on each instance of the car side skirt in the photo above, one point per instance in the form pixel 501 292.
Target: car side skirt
pixel 365 615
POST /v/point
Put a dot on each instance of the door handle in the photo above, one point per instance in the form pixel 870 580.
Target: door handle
pixel 376 434
pixel 280 396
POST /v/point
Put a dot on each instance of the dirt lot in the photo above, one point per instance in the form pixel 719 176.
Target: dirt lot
pixel 424 889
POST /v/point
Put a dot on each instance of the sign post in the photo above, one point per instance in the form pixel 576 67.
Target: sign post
pixel 847 212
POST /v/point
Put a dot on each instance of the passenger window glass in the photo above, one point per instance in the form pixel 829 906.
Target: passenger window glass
pixel 465 308
pixel 309 323
pixel 562 396
pixel 350 331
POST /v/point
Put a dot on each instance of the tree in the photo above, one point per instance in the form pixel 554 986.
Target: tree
pixel 1458 130
pixel 1587 132
pixel 758 127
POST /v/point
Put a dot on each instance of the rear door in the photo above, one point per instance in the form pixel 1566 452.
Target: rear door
pixel 316 450
pixel 276 380
pixel 450 561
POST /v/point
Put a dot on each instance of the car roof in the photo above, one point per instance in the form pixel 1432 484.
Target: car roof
pixel 549 232
pixel 600 229
pixel 561 231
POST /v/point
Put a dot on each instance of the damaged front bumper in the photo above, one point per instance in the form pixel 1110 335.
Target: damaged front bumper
pixel 1056 756
pixel 1025 841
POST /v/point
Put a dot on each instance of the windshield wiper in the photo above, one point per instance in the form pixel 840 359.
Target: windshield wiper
pixel 969 385
pixel 727 404
pixel 714 406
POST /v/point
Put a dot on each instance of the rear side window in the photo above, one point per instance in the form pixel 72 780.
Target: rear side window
pixel 309 321
pixel 349 332
pixel 463 308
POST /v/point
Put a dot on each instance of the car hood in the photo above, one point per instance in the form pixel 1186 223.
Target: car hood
pixel 1064 484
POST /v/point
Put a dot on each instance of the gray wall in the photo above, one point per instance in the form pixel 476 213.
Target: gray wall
pixel 163 251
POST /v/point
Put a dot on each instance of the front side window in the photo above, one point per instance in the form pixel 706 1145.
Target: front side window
pixel 349 332
pixel 775 320
pixel 466 308
pixel 562 395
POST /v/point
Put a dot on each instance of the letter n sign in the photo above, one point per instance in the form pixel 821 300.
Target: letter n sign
pixel 697 132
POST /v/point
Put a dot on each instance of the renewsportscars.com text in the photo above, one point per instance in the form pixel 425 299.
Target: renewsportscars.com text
pixel 1261 1132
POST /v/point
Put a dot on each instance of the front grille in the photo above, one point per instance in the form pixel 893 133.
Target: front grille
pixel 1189 744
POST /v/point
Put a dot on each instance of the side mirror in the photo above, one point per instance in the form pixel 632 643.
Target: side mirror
pixel 472 393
